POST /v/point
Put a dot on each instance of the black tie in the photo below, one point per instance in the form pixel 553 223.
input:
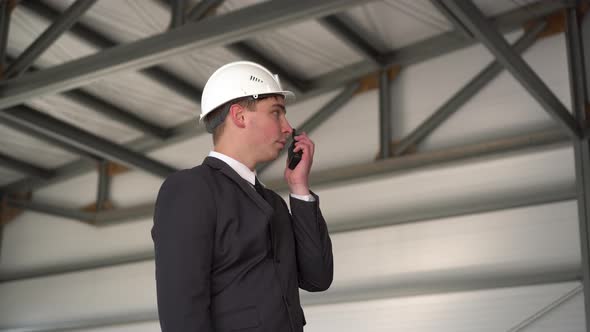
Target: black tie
pixel 259 188
pixel 260 191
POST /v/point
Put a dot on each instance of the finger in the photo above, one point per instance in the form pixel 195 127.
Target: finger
pixel 305 140
pixel 310 146
pixel 301 145
pixel 302 135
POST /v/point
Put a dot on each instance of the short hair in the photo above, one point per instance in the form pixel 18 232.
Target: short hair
pixel 215 121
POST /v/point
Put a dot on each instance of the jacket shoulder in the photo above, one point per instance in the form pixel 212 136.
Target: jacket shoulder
pixel 193 179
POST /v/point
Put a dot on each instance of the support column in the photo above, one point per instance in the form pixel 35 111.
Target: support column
pixel 581 147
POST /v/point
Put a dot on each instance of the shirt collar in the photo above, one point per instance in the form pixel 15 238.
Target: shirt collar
pixel 243 171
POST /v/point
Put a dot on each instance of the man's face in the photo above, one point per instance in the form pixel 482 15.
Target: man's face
pixel 269 128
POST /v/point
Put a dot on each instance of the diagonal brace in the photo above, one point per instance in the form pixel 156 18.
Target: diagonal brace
pixel 478 24
pixel 85 141
pixel 462 96
pixel 53 32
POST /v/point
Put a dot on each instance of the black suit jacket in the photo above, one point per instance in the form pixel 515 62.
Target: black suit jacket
pixel 228 259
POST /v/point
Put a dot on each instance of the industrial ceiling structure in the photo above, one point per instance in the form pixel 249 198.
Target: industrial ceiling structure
pixel 103 86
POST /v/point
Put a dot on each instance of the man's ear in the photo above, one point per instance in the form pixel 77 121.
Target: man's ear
pixel 236 114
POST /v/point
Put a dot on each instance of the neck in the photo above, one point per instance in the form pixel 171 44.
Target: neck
pixel 236 153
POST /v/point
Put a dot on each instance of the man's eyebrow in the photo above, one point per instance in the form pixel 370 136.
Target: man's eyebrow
pixel 281 106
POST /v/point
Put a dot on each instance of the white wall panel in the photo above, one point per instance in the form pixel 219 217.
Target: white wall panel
pixel 96 293
pixel 509 242
pixel 428 189
pixel 568 316
pixel 38 241
pixel 153 326
pixel 497 310
pixel 76 192
pixel 496 244
pixel 453 185
pixel 135 187
pixel 493 311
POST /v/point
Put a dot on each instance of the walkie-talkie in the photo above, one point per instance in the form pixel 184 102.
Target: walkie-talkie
pixel 294 157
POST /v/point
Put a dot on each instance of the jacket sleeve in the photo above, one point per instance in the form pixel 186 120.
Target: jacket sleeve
pixel 183 235
pixel 313 245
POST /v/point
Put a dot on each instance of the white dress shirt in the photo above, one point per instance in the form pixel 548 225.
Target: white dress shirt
pixel 250 175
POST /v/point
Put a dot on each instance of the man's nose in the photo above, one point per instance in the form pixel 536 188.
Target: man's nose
pixel 287 127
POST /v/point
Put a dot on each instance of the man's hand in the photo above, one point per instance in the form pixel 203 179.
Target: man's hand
pixel 297 179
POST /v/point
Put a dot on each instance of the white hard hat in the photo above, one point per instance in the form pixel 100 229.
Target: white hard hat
pixel 236 80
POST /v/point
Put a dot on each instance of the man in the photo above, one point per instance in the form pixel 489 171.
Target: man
pixel 229 255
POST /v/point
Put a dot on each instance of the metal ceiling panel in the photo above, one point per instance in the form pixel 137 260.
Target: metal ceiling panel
pixel 129 20
pixel 85 118
pixel 26 26
pixel 145 98
pixel 130 91
pixel 495 7
pixel 196 67
pixel 26 148
pixel 231 5
pixel 307 48
pixel 8 176
pixel 397 23
pixel 124 21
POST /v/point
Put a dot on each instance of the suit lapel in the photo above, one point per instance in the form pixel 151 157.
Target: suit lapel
pixel 243 184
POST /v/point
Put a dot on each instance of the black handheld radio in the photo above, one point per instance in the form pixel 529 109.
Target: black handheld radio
pixel 294 157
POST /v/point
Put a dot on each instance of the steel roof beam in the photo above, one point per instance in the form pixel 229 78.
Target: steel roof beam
pixel 84 155
pixel 80 139
pixel 24 167
pixel 455 154
pixel 347 31
pixel 385 128
pixel 477 23
pixel 435 46
pixel 577 75
pixel 540 140
pixel 459 27
pixel 243 49
pixel 51 210
pixel 459 99
pixel 158 74
pixel 113 112
pixel 104 185
pixel 48 37
pixel 5 12
pixel 420 51
pixel 212 32
pixel 201 9
pixel 177 9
